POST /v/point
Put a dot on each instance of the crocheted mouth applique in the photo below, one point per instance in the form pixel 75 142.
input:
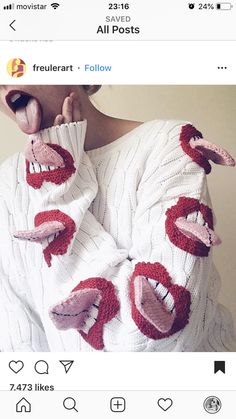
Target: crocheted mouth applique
pixel 159 307
pixel 47 163
pixel 200 150
pixel 54 230
pixel 90 306
pixel 191 236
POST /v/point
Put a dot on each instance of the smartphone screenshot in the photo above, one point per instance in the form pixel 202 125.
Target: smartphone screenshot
pixel 117 209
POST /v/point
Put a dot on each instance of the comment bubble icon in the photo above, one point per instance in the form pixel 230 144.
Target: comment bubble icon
pixel 41 367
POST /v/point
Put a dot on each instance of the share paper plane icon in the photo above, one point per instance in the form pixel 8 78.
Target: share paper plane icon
pixel 67 365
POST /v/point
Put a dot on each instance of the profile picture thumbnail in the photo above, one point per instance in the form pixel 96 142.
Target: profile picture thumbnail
pixel 16 67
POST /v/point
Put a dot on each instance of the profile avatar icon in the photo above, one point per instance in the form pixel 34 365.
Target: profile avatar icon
pixel 16 67
pixel 212 404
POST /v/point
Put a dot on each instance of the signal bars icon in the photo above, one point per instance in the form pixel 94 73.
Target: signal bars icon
pixel 9 7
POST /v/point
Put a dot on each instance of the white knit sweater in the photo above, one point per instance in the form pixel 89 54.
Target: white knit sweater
pixel 114 203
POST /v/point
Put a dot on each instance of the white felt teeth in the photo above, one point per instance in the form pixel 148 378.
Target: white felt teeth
pixel 92 316
pixel 152 282
pixel 162 293
pixel 93 312
pixel 89 323
pixel 38 168
pixel 50 238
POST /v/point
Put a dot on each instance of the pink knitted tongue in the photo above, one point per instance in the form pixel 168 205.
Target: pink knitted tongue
pixel 198 232
pixel 29 117
pixel 40 233
pixel 212 152
pixel 150 307
pixel 73 312
pixel 37 151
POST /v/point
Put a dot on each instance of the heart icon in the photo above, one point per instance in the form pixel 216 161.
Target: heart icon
pixel 16 366
pixel 165 404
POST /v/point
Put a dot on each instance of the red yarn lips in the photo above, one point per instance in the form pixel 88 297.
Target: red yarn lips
pixel 47 163
pixel 90 306
pixel 55 227
pixel 159 308
pixel 201 150
pixel 191 236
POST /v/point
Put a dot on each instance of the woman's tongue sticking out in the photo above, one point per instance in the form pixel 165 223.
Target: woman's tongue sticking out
pixel 29 117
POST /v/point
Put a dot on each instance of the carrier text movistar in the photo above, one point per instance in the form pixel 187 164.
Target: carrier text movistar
pixel 31 6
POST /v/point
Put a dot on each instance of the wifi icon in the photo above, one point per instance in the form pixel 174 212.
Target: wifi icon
pixel 55 5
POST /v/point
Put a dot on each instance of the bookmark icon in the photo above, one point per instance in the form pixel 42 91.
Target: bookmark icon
pixel 219 366
pixel 67 365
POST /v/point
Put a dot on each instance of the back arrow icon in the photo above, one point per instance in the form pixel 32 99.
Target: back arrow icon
pixel 12 24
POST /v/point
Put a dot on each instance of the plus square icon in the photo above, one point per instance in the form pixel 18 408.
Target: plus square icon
pixel 117 404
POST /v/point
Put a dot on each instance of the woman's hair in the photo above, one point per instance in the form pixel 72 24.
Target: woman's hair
pixel 91 89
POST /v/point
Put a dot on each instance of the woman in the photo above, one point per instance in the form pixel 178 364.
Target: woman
pixel 107 231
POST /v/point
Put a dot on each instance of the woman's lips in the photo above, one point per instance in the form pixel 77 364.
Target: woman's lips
pixel 27 110
pixel 38 172
pixel 90 306
pixel 12 98
pixel 192 237
pixel 159 308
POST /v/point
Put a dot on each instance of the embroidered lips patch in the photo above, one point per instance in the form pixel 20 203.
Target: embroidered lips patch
pixel 52 228
pixel 159 307
pixel 200 150
pixel 47 163
pixel 191 236
pixel 90 306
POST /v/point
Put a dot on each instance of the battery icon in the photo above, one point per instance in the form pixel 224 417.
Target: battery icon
pixel 224 6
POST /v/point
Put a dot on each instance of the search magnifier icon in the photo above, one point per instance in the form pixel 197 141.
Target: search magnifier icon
pixel 70 404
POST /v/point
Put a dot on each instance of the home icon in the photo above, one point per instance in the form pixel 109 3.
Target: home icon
pixel 23 406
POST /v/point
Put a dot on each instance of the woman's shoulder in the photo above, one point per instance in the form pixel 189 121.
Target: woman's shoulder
pixel 156 131
pixel 144 136
pixel 159 137
pixel 170 128
pixel 163 125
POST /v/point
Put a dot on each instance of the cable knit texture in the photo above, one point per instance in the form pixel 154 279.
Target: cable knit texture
pixel 135 223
